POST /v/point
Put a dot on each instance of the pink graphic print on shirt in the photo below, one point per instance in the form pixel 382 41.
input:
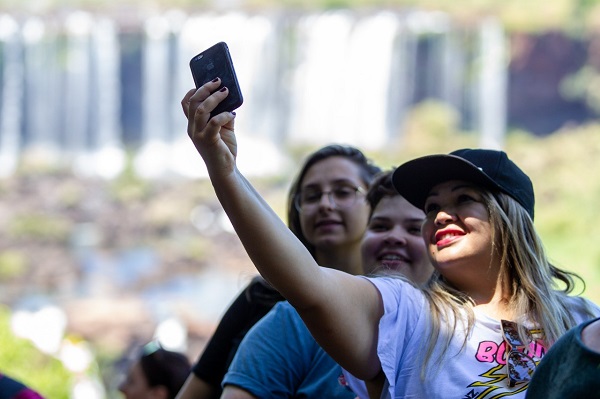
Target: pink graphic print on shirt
pixel 493 382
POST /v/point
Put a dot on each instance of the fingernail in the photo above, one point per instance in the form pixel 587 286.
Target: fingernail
pixel 215 80
pixel 223 89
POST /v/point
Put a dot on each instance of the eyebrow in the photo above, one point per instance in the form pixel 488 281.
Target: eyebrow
pixel 347 182
pixel 378 218
pixel 387 218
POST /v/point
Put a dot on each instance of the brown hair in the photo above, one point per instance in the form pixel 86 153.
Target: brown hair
pixel 166 368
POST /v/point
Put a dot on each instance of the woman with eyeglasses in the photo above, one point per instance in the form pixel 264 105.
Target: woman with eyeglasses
pixel 157 373
pixel 279 358
pixel 492 307
pixel 328 213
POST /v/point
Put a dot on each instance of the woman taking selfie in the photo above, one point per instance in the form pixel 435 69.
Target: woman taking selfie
pixel 484 319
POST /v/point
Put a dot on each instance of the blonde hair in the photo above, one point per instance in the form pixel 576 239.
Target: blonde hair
pixel 534 294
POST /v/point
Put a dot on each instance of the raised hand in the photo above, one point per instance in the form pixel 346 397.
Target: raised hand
pixel 214 138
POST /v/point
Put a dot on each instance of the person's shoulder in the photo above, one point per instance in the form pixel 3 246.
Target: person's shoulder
pixel 284 306
pixel 284 311
pixel 394 285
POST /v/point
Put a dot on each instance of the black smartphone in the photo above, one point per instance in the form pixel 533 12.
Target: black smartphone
pixel 216 62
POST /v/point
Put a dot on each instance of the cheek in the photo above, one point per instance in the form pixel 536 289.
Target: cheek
pixel 357 219
pixel 305 222
pixel 417 247
pixel 368 244
pixel 426 231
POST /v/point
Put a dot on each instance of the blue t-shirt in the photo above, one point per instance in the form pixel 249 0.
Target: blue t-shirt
pixel 279 358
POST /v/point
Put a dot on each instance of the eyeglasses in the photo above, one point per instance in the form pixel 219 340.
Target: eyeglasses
pixel 340 197
pixel 519 365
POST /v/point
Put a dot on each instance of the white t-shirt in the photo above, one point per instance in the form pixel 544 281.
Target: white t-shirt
pixel 476 371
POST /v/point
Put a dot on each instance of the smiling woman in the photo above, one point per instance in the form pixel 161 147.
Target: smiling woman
pixel 392 241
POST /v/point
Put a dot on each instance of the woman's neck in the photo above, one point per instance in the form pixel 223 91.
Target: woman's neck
pixel 494 302
pixel 346 259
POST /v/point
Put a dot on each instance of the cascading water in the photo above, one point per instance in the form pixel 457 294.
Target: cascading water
pixel 340 76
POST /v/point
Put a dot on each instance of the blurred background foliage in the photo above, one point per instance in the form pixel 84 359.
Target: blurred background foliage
pixel 22 361
pixel 564 165
pixel 564 168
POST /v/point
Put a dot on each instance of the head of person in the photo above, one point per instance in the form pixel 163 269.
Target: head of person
pixel 392 241
pixel 156 374
pixel 479 211
pixel 326 201
pixel 480 194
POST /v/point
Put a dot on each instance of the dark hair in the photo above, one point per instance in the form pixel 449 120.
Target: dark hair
pixel 380 187
pixel 166 368
pixel 367 171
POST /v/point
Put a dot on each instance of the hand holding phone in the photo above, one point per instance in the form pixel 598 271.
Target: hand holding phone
pixel 215 62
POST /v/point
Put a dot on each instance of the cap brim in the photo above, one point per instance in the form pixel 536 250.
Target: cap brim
pixel 414 179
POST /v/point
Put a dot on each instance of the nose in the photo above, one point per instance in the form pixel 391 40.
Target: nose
pixel 395 236
pixel 444 216
pixel 326 200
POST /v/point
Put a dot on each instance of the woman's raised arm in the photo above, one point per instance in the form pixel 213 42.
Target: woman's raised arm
pixel 342 311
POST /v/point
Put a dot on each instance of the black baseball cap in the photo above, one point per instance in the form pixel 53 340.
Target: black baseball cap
pixel 491 169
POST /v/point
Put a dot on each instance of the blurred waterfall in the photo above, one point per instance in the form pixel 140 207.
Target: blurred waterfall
pixel 12 94
pixel 82 89
pixel 492 88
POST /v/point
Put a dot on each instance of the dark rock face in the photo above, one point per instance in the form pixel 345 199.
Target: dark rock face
pixel 539 66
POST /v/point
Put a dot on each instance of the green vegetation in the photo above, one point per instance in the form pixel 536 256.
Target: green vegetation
pixel 12 264
pixel 39 225
pixel 22 361
pixel 564 168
